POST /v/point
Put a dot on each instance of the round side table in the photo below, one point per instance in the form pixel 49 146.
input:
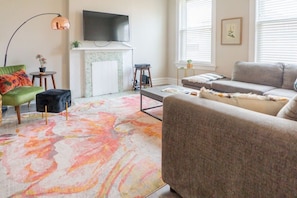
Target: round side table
pixel 44 75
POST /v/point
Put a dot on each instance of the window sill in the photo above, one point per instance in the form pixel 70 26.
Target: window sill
pixel 197 66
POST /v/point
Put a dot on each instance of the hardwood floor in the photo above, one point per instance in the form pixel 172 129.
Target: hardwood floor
pixel 164 193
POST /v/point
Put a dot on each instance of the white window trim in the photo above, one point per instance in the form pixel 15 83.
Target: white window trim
pixel 196 65
pixel 252 31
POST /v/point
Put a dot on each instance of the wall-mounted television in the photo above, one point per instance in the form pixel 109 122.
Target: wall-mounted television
pixel 100 26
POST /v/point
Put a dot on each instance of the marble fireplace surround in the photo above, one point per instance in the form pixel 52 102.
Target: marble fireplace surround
pixel 98 56
pixel 81 60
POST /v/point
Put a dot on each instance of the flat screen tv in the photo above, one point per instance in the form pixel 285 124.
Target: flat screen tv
pixel 100 26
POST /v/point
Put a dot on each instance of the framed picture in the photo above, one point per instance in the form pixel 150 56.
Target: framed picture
pixel 231 30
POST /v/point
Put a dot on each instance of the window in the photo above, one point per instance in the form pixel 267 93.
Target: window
pixel 196 32
pixel 276 31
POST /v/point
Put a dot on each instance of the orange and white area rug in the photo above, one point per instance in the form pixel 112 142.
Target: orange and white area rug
pixel 107 148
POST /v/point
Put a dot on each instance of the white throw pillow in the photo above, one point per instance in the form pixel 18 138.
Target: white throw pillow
pixel 264 104
pixel 289 111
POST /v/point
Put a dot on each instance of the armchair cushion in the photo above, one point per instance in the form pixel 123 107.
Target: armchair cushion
pixel 23 78
pixel 21 95
pixel 10 81
pixel 7 83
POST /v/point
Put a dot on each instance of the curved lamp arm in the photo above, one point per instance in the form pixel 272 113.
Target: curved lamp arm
pixel 58 23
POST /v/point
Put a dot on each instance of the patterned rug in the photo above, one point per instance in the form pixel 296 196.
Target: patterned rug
pixel 107 148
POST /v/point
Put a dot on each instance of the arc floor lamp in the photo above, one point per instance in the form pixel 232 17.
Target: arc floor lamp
pixel 58 23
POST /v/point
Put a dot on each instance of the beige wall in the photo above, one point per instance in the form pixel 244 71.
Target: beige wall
pixel 148 32
pixel 153 33
pixel 148 23
pixel 226 55
pixel 35 36
pixel 148 29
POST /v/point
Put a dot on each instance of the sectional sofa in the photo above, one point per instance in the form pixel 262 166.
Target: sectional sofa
pixel 212 149
pixel 251 77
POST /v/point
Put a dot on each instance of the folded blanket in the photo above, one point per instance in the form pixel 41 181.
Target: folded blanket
pixel 202 78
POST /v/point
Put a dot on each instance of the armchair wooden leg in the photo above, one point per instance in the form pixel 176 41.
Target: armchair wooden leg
pixel 18 112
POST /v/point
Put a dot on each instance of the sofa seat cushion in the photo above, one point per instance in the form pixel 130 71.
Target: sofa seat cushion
pixel 270 105
pixel 242 87
pixel 20 95
pixel 196 85
pixel 281 92
pixel 270 74
pixel 190 82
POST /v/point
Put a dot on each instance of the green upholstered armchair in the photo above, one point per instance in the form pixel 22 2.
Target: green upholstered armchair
pixel 20 94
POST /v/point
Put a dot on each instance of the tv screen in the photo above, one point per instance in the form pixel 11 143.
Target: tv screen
pixel 100 26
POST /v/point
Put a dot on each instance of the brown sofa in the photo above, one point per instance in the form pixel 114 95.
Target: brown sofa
pixel 211 149
pixel 251 77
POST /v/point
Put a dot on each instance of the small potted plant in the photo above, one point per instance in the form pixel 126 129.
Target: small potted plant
pixel 75 44
pixel 189 63
pixel 42 62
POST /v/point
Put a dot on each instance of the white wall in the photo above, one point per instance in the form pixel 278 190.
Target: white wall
pixel 226 55
pixel 148 29
pixel 148 32
pixel 35 36
pixel 153 33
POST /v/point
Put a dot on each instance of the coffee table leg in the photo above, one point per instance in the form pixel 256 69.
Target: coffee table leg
pixel 144 109
pixel 140 102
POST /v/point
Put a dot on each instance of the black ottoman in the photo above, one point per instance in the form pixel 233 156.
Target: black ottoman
pixel 56 100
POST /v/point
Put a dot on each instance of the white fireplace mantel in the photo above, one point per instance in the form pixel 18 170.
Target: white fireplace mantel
pixel 101 48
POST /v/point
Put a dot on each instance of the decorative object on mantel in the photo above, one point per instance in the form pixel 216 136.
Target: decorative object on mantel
pixel 189 64
pixel 42 62
pixel 75 44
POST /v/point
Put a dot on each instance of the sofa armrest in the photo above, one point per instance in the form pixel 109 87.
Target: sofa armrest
pixel 211 149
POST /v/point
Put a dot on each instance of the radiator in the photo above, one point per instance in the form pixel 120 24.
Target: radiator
pixel 104 77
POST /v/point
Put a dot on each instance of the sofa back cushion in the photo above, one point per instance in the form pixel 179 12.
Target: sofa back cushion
pixel 290 75
pixel 259 73
pixel 289 111
pixel 270 105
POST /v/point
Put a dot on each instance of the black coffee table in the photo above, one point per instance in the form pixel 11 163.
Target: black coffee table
pixel 158 93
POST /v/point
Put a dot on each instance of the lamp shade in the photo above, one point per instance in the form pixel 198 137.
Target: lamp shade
pixel 60 23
